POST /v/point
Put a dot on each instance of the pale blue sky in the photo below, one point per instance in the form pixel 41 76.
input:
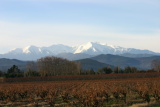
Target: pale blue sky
pixel 134 24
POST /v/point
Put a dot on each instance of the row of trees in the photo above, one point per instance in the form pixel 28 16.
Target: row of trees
pixel 71 68
pixel 108 70
pixel 47 66
pixel 155 64
pixel 53 66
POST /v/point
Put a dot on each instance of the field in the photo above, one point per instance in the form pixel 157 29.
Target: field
pixel 99 91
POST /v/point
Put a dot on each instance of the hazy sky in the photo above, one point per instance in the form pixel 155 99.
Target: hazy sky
pixel 126 23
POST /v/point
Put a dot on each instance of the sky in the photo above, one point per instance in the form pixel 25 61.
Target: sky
pixel 126 23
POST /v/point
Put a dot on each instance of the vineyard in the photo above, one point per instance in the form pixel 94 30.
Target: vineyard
pixel 81 93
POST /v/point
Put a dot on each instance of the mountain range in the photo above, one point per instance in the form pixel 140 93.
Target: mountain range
pixel 121 61
pixel 83 51
pixel 96 62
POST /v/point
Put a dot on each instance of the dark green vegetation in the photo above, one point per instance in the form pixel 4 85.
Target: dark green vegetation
pixel 12 72
pixel 5 64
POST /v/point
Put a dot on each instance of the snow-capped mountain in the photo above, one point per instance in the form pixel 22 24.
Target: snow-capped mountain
pixel 90 49
pixel 51 50
pixel 95 48
pixel 58 49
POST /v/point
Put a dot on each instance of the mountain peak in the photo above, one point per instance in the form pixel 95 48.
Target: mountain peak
pixel 85 47
pixel 94 48
pixel 31 49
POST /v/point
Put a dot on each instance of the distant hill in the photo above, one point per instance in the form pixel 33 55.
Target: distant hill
pixel 145 62
pixel 116 60
pixel 71 56
pixel 136 55
pixel 5 64
pixel 94 63
pixel 87 64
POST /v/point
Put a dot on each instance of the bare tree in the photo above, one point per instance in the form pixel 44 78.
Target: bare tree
pixel 31 66
pixel 31 69
pixel 117 69
pixel 49 66
pixel 156 65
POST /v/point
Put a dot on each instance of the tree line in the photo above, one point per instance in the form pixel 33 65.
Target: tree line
pixel 47 66
pixel 117 69
pixel 54 66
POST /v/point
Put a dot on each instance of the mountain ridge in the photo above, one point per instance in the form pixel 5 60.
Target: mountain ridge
pixel 91 49
pixel 122 61
pixel 94 62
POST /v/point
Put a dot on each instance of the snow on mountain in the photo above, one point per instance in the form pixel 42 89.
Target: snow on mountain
pixel 94 48
pixel 15 51
pixel 32 49
pixel 90 48
pixel 58 49
pixel 52 50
